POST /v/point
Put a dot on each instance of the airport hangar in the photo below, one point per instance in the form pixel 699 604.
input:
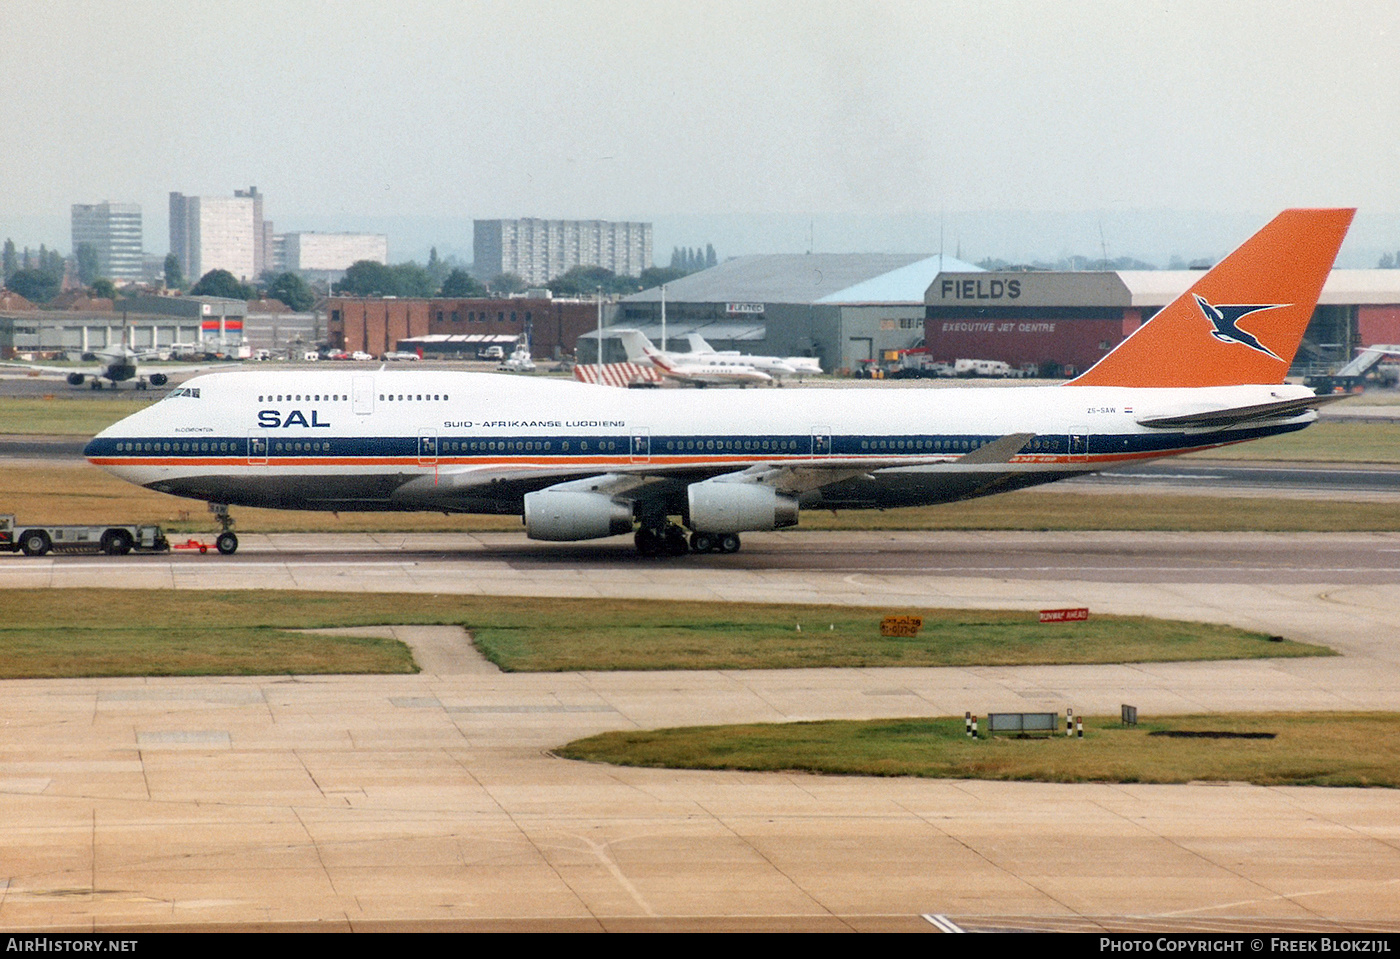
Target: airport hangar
pixel 843 308
pixel 151 323
pixel 853 308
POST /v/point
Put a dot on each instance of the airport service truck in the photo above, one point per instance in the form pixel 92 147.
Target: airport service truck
pixel 36 539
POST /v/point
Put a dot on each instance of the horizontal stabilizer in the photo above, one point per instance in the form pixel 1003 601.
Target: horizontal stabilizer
pixel 1235 415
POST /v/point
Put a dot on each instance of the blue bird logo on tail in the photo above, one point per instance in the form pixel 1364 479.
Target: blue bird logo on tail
pixel 1224 319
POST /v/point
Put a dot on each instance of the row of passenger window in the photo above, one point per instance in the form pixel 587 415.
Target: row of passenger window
pixel 526 446
pixel 914 446
pixel 411 397
pixel 161 446
pixel 303 397
pixel 735 446
pixel 281 446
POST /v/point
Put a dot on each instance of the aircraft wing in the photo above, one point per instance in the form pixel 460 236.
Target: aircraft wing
pixel 95 368
pixel 1235 415
pixel 34 369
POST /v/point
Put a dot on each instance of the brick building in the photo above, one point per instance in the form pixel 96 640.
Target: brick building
pixel 376 325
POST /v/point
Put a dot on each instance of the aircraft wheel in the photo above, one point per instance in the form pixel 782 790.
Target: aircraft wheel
pixel 676 544
pixel 35 543
pixel 96 384
pixel 227 543
pixel 702 542
pixel 729 543
pixel 648 542
pixel 116 542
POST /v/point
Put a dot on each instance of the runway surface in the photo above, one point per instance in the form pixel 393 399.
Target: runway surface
pixel 432 801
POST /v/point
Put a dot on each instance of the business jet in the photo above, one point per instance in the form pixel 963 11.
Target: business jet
pixel 581 462
pixel 707 370
pixel 777 365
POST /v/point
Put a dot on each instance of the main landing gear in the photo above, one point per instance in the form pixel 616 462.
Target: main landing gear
pixel 670 540
pixel 227 541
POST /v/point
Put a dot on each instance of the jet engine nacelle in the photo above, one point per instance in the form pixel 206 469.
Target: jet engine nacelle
pixel 158 379
pixel 75 379
pixel 568 515
pixel 720 506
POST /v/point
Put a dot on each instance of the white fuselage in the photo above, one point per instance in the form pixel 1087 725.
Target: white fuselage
pixel 474 442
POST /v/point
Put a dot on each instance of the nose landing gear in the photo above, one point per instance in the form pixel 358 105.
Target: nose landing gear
pixel 227 541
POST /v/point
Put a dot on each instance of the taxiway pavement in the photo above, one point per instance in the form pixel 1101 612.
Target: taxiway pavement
pixel 433 802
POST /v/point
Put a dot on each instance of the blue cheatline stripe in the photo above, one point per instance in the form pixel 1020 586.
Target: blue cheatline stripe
pixel 750 445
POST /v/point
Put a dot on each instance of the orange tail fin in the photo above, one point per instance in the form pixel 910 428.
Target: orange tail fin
pixel 1243 320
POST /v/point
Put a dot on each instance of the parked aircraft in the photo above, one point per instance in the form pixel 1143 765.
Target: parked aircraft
pixel 777 365
pixel 708 370
pixel 582 462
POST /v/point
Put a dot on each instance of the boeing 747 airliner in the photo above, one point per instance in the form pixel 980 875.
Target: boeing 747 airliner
pixel 580 462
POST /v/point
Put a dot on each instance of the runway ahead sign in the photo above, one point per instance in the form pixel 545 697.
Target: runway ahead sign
pixel 1064 615
pixel 901 625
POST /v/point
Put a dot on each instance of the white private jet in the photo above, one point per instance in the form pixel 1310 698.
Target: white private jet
pixel 581 462
pixel 777 365
pixel 708 370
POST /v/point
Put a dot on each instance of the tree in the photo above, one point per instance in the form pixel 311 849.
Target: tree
pixel 506 283
pixel 460 283
pixel 174 276
pixel 654 276
pixel 586 280
pixel 51 262
pixel 104 288
pixel 364 278
pixel 86 255
pixel 368 278
pixel 36 286
pixel 412 280
pixel 10 259
pixel 222 283
pixel 292 290
pixel 710 258
pixel 438 269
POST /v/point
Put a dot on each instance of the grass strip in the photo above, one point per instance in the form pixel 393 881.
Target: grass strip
pixel 169 649
pixel 65 416
pixel 149 627
pixel 1308 749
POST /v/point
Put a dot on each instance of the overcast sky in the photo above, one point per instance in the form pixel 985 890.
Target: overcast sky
pixel 993 121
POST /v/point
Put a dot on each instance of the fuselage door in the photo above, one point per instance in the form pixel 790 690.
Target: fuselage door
pixel 362 394
pixel 1078 444
pixel 427 448
pixel 641 445
pixel 257 450
pixel 821 441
